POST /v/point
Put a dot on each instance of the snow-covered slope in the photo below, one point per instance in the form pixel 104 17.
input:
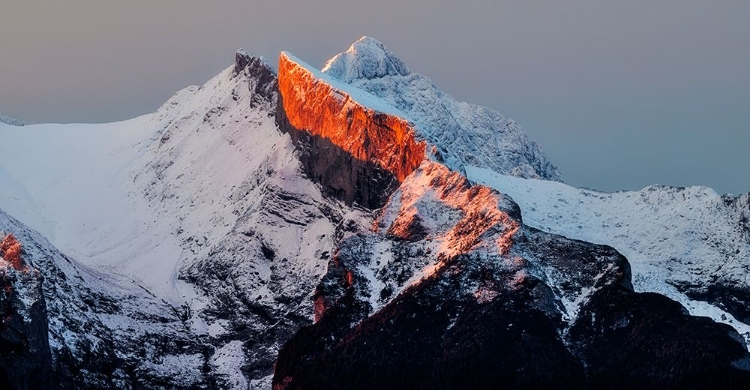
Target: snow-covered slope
pixel 72 183
pixel 689 244
pixel 465 134
pixel 108 332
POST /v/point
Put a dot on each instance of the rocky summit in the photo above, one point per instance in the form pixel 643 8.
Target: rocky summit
pixel 352 227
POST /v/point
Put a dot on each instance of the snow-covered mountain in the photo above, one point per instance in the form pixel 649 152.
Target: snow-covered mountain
pixel 200 205
pixel 464 134
pixel 318 213
pixel 689 244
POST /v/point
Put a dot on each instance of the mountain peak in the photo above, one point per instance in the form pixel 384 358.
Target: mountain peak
pixel 463 134
pixel 367 58
pixel 243 59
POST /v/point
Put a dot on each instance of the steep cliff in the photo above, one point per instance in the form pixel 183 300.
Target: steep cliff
pixel 358 148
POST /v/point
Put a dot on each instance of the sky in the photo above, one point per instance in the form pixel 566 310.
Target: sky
pixel 620 95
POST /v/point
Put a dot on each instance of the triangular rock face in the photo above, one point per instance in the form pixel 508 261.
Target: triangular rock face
pixel 356 147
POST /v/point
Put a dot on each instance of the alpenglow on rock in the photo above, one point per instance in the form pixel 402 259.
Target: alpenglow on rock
pixel 355 146
pixel 293 230
pixel 464 134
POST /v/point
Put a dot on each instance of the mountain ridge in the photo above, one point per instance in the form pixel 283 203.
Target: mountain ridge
pixel 11 121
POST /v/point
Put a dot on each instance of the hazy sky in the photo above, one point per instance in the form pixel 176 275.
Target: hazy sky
pixel 621 94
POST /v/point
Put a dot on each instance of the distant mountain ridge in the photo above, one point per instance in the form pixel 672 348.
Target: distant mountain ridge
pixel 11 121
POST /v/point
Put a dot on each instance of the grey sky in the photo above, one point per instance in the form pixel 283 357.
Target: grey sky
pixel 620 94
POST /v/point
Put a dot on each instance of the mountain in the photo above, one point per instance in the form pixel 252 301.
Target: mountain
pixel 298 227
pixel 689 244
pixel 452 290
pixel 463 134
pixel 200 210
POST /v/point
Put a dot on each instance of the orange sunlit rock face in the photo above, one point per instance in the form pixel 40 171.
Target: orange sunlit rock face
pixel 10 251
pixel 312 105
pixel 479 207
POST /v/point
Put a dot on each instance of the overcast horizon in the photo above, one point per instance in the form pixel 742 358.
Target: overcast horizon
pixel 620 96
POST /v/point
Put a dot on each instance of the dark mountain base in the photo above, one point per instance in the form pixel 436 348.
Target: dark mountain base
pixel 432 337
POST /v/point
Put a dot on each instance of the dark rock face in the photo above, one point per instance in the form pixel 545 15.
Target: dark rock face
pixel 60 340
pixel 434 337
pixel 25 359
pixel 637 340
pixel 731 297
pixel 241 60
pixel 264 84
pixel 340 174
pixel 429 338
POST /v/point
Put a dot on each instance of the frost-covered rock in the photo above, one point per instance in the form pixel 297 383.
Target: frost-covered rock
pixel 366 59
